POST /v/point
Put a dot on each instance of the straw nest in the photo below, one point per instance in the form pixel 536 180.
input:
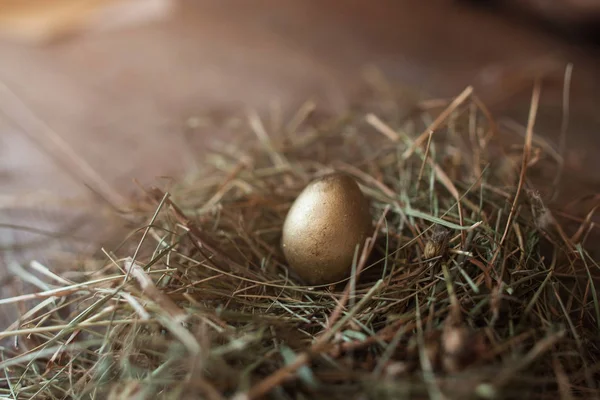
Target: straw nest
pixel 467 288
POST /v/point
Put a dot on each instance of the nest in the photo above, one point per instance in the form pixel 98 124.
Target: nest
pixel 468 288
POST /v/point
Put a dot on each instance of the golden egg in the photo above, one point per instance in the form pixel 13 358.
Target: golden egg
pixel 323 228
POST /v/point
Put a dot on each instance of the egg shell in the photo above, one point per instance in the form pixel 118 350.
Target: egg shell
pixel 323 227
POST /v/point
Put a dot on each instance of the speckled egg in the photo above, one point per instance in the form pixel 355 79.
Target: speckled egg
pixel 323 227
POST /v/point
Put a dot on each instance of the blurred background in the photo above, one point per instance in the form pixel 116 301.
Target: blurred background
pixel 115 82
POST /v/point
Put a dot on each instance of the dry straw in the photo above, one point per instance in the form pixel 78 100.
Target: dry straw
pixel 468 287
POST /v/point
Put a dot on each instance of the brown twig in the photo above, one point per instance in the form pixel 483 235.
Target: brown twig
pixel 438 121
pixel 535 101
